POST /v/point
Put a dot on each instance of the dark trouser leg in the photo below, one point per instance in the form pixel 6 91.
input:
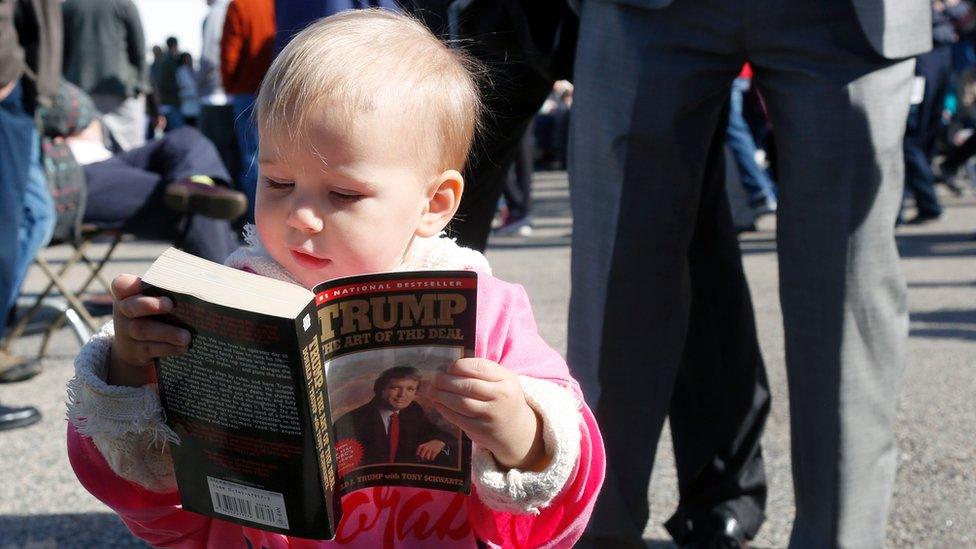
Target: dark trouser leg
pixel 957 156
pixel 217 124
pixel 721 397
pixel 919 179
pixel 924 124
pixel 518 184
pixel 515 97
pixel 645 111
pixel 178 154
pixel 125 197
pixel 246 132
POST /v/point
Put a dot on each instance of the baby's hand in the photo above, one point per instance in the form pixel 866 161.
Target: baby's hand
pixel 138 339
pixel 485 400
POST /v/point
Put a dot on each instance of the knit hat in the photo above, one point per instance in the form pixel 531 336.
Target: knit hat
pixel 70 112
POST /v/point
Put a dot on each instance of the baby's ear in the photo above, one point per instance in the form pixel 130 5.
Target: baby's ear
pixel 443 199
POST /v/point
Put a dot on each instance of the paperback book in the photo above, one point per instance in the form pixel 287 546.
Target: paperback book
pixel 287 398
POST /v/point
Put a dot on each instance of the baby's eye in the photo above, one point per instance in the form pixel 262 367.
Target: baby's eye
pixel 277 184
pixel 345 196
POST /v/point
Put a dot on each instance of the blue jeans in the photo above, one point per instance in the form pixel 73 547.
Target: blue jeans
pixel 174 118
pixel 38 223
pixel 923 129
pixel 246 129
pixel 756 181
pixel 26 207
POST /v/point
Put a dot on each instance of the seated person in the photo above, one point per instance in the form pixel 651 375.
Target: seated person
pixel 164 190
pixel 392 428
pixel 150 190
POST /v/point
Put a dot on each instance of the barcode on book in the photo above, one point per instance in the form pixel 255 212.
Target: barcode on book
pixel 248 503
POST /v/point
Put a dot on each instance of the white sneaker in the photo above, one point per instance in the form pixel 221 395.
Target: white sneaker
pixel 515 227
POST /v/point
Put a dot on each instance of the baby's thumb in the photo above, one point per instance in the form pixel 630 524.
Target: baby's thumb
pixel 126 285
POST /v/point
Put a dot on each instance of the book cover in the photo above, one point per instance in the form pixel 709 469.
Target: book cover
pixel 384 337
pixel 288 399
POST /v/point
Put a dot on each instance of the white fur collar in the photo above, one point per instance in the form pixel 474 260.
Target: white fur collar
pixel 424 254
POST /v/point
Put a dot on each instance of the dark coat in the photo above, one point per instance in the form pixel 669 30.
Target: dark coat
pixel 365 425
pixel 104 47
pixel 31 43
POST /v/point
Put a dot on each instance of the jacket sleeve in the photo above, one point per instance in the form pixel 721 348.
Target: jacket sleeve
pixel 117 449
pixel 549 508
pixel 125 423
pixel 135 45
pixel 231 46
pixel 155 517
pixel 11 53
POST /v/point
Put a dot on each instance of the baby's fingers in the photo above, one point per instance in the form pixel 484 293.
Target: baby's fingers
pixel 153 331
pixel 126 285
pixel 139 305
pixel 462 405
pixel 146 351
pixel 466 386
pixel 478 368
pixel 471 426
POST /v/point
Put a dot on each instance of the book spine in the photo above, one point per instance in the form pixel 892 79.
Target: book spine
pixel 319 413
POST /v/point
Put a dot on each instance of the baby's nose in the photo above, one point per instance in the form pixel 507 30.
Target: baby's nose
pixel 304 219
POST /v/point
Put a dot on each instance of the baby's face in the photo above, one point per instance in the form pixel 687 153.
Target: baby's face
pixel 340 201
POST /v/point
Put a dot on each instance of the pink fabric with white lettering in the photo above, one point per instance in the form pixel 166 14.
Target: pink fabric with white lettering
pixel 392 517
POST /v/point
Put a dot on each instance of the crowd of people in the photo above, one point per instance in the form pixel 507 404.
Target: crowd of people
pixel 79 149
pixel 812 101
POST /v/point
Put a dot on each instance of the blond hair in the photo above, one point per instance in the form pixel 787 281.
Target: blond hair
pixel 363 60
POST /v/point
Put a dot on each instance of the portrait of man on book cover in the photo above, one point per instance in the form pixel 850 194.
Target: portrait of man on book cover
pixel 393 428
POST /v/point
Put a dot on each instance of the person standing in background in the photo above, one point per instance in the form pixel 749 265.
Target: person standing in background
pixel 652 79
pixel 165 84
pixel 105 55
pixel 739 137
pixel 246 49
pixel 30 67
pixel 216 113
pixel 933 72
pixel 291 16
pixel 186 81
pixel 517 191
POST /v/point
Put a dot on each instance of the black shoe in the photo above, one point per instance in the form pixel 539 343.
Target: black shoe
pixel 15 368
pixel 764 206
pixel 922 218
pixel 12 417
pixel 946 175
pixel 728 534
pixel 954 186
pixel 202 196
pixel 750 228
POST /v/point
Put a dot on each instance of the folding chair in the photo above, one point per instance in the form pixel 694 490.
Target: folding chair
pixel 67 300
pixel 71 111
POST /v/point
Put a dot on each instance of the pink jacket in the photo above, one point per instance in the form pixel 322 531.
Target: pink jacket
pixel 505 509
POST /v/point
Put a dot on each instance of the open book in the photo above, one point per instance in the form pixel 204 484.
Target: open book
pixel 289 398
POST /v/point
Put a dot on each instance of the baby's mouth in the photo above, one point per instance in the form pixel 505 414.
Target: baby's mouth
pixel 309 261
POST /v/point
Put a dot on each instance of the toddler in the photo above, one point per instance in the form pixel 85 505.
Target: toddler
pixel 365 120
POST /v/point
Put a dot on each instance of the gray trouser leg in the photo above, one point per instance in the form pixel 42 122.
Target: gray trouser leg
pixel 840 119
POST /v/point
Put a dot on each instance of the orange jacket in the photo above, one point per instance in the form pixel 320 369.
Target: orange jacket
pixel 247 44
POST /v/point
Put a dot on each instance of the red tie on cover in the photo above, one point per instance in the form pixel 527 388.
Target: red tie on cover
pixel 394 435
